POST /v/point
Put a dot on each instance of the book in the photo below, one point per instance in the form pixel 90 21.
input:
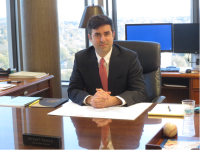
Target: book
pixel 163 110
pixel 20 101
pixel 162 116
pixel 50 102
pixel 176 144
pixel 26 74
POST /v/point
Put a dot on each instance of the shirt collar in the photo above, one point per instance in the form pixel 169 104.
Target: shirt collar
pixel 106 58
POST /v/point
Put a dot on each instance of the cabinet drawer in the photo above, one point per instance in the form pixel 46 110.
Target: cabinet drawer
pixel 25 91
pixel 195 83
pixel 43 85
pixel 195 96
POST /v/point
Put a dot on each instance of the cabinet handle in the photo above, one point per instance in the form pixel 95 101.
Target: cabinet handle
pixel 25 92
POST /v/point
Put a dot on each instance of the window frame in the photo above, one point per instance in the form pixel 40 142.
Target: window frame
pixel 14 28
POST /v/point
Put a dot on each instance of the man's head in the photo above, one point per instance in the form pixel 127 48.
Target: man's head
pixel 97 21
pixel 101 33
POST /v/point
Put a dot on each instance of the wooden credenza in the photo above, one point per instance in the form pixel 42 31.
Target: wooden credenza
pixel 30 87
pixel 177 94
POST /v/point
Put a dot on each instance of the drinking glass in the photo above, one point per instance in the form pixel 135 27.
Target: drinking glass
pixel 188 107
pixel 188 122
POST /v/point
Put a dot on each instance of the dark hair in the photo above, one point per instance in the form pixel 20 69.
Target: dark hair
pixel 99 20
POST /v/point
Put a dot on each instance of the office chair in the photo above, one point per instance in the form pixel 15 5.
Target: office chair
pixel 149 57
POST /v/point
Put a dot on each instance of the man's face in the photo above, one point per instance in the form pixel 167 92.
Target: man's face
pixel 102 39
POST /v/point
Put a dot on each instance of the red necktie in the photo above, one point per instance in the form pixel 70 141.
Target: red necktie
pixel 105 134
pixel 103 75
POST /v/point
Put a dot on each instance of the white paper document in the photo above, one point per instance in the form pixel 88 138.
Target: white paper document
pixel 173 85
pixel 6 86
pixel 115 112
pixel 163 110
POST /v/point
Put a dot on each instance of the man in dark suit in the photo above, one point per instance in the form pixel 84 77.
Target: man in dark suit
pixel 124 84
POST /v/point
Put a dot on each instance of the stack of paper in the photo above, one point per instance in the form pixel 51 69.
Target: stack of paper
pixel 174 85
pixel 19 101
pixel 26 74
pixel 6 86
pixel 115 112
pixel 167 110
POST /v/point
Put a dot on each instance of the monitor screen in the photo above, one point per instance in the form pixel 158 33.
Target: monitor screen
pixel 160 33
pixel 186 38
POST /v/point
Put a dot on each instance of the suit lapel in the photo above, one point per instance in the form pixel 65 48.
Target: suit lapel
pixel 94 69
pixel 113 68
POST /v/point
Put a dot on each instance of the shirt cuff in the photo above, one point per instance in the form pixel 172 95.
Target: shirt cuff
pixel 123 101
pixel 84 101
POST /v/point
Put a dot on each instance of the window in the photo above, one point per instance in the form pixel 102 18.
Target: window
pixel 72 38
pixel 4 56
pixel 155 11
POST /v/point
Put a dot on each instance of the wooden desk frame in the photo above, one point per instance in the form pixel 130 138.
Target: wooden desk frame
pixel 155 142
pixel 176 94
pixel 30 87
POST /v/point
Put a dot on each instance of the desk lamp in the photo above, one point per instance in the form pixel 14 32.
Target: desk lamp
pixel 87 14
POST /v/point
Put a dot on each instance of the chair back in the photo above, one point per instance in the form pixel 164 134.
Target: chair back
pixel 149 57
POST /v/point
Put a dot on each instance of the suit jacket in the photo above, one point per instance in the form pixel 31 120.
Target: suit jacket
pixel 125 78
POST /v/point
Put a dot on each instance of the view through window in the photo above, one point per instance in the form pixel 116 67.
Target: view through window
pixel 72 38
pixel 155 11
pixel 4 57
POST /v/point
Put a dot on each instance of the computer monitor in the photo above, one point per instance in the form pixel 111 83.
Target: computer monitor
pixel 160 33
pixel 186 38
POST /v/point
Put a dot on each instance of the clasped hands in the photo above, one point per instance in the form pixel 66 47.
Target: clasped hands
pixel 100 99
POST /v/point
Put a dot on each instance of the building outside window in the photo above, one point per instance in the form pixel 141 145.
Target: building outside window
pixel 155 11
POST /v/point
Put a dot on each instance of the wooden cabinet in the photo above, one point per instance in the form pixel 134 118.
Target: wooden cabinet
pixel 30 87
pixel 194 90
pixel 177 94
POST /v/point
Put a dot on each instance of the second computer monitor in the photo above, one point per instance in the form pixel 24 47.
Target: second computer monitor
pixel 186 38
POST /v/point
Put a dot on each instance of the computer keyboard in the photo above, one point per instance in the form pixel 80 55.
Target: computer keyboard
pixel 170 69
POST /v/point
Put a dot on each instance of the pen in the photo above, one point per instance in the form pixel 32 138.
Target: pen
pixel 169 108
pixel 14 81
pixel 34 103
pixel 4 80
